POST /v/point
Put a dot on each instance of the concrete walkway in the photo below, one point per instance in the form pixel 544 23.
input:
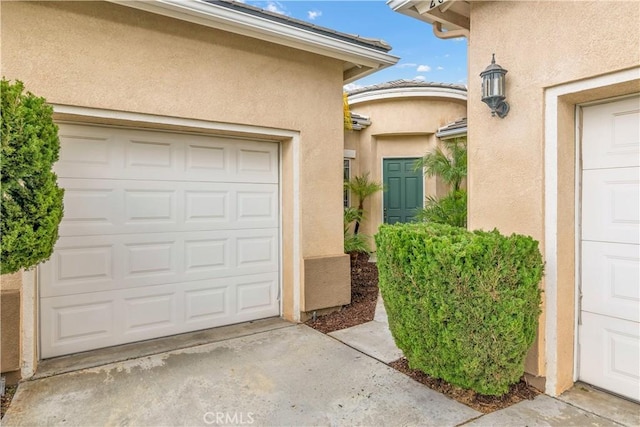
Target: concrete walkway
pixel 581 406
pixel 280 375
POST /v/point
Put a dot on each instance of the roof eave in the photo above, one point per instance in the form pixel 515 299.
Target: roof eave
pixel 360 60
pixel 408 92
pixel 452 133
pixel 421 10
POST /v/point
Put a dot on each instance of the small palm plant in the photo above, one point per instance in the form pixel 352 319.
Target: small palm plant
pixel 450 164
pixel 362 187
pixel 354 243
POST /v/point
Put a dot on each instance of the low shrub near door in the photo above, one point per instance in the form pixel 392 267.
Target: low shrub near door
pixel 463 306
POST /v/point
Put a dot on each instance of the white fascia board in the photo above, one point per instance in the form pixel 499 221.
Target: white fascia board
pixel 405 7
pixel 448 134
pixel 408 92
pixel 397 5
pixel 214 16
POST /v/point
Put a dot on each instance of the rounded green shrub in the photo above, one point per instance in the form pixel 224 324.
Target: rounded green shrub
pixel 463 306
pixel 31 200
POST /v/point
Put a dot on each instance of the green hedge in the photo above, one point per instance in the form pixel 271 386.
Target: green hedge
pixel 463 306
pixel 31 207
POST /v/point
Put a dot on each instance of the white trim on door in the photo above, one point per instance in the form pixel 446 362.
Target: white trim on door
pixel 552 96
pixel 103 117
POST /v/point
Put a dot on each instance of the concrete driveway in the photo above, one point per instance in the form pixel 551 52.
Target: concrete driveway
pixel 288 376
pixel 273 373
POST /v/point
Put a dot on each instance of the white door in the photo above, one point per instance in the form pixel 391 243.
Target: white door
pixel 609 326
pixel 163 233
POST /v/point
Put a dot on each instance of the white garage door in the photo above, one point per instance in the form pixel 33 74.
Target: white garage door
pixel 609 329
pixel 163 233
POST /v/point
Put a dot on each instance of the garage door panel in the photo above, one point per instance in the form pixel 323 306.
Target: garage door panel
pixel 86 149
pixel 79 266
pixel 611 134
pixel 257 162
pixel 122 206
pixel 100 263
pixel 611 198
pixel 163 233
pixel 112 153
pixel 207 205
pixel 257 206
pixel 203 256
pixel 609 322
pixel 149 207
pixel 614 345
pixel 75 323
pixel 150 156
pixel 147 312
pixel 256 296
pixel 207 304
pixel 610 279
pixel 151 259
pixel 88 207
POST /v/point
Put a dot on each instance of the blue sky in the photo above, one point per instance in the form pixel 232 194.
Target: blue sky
pixel 422 55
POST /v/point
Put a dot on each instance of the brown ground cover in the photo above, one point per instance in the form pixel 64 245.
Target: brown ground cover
pixel 364 294
pixel 5 400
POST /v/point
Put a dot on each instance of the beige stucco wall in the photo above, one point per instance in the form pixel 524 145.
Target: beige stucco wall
pixel 400 127
pixel 541 44
pixel 107 56
pixel 10 285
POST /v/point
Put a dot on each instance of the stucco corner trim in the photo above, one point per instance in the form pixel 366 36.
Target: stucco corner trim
pixel 552 98
pixel 29 336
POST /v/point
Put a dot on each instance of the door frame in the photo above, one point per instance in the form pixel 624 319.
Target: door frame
pixel 559 102
pixel 382 159
pixel 31 332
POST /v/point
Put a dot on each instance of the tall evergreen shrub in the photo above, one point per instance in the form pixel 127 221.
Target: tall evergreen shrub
pixel 31 200
pixel 463 306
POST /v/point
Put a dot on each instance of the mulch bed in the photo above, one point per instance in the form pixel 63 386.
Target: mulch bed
pixel 364 295
pixel 5 400
pixel 482 403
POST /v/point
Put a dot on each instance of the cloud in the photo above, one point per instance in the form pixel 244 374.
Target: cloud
pixel 313 14
pixel 407 65
pixel 439 68
pixel 351 86
pixel 423 68
pixel 458 39
pixel 447 55
pixel 276 7
pixel 423 78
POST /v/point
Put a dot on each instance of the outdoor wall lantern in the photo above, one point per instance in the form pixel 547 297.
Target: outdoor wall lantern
pixel 493 88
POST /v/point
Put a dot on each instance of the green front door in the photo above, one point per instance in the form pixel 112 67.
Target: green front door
pixel 403 190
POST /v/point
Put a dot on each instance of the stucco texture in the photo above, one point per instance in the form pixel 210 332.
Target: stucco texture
pixel 112 57
pixel 400 127
pixel 542 45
